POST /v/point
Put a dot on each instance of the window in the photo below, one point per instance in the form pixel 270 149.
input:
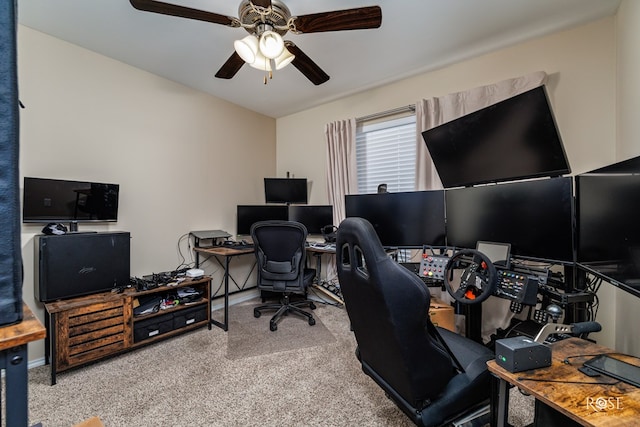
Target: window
pixel 386 153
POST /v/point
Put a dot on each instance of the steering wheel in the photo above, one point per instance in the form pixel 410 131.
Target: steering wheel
pixel 477 281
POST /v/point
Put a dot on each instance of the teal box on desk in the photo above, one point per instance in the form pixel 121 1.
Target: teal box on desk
pixel 521 354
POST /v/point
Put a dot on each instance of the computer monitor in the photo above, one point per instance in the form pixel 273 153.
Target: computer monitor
pixel 314 217
pixel 607 217
pixel 535 217
pixel 608 230
pixel 513 139
pixel 285 190
pixel 247 215
pixel 403 220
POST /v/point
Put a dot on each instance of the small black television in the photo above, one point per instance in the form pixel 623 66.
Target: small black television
pixel 313 217
pixel 535 217
pixel 285 190
pixel 249 214
pixel 513 139
pixel 403 220
pixel 56 200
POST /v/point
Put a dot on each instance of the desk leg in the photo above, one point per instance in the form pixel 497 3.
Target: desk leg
pixel 499 402
pixel 224 325
pixel 16 379
pixel 318 256
pixel 51 355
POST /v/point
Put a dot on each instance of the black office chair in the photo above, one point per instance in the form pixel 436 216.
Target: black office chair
pixel 280 256
pixel 435 376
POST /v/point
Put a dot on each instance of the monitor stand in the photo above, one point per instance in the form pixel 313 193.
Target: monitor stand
pixel 73 229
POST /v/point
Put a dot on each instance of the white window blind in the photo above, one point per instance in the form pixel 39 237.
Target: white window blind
pixel 386 153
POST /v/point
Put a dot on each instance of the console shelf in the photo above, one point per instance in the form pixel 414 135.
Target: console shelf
pixel 89 328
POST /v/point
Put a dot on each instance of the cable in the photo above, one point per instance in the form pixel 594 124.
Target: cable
pixel 563 381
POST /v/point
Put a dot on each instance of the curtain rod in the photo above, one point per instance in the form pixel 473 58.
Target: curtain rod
pixel 399 110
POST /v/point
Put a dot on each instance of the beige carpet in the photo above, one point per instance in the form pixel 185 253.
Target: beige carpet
pixel 249 336
pixel 189 381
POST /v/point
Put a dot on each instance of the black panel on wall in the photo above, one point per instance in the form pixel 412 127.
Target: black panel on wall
pixel 10 248
pixel 79 264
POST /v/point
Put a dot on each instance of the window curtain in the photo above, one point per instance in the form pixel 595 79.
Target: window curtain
pixel 436 111
pixel 10 246
pixel 432 112
pixel 342 173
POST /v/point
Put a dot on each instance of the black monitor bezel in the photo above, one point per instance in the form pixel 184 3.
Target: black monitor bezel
pixel 286 191
pixel 517 138
pixel 377 208
pixel 28 192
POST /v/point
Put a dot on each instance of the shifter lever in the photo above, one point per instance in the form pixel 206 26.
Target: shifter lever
pixel 554 311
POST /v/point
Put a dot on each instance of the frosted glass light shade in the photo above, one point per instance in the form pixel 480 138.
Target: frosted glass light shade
pixel 284 59
pixel 271 44
pixel 261 62
pixel 247 48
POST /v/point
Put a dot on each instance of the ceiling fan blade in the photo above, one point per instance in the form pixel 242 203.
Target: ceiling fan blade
pixel 306 66
pixel 350 19
pixel 231 67
pixel 182 12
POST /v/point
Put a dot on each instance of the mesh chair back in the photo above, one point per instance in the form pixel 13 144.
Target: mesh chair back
pixel 280 255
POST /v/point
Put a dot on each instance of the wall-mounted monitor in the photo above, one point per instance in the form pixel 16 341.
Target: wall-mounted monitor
pixel 608 230
pixel 249 214
pixel 56 200
pixel 513 139
pixel 607 217
pixel 285 190
pixel 404 220
pixel 314 217
pixel 535 217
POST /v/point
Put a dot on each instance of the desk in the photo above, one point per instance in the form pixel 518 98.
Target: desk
pixel 318 251
pixel 228 253
pixel 14 361
pixel 568 392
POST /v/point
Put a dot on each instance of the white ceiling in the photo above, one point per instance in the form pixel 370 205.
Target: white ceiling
pixel 415 36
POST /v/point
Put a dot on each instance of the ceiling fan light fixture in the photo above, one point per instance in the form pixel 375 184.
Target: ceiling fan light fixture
pixel 261 62
pixel 284 59
pixel 247 48
pixel 271 44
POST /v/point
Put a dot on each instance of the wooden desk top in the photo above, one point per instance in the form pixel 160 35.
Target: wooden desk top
pixel 570 392
pixel 30 329
pixel 224 250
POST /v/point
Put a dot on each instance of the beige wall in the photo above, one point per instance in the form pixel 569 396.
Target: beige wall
pixel 581 68
pixel 581 64
pixel 183 159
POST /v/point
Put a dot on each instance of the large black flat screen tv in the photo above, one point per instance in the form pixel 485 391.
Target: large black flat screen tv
pixel 535 217
pixel 404 220
pixel 56 200
pixel 285 190
pixel 513 139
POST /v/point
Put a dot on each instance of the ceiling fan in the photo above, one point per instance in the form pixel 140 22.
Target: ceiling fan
pixel 267 21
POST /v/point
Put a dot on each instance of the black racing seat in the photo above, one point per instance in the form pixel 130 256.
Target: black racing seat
pixel 435 376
